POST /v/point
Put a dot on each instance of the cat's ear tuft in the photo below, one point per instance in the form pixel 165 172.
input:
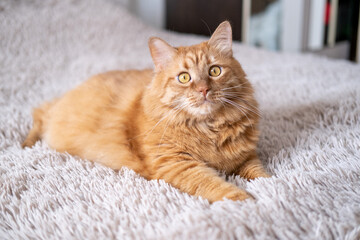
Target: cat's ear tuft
pixel 161 52
pixel 221 39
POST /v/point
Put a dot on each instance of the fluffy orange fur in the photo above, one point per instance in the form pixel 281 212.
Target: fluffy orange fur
pixel 160 127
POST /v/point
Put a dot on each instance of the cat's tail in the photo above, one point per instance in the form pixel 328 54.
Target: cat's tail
pixel 37 128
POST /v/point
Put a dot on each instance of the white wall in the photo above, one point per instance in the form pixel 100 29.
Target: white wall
pixel 316 28
pixel 292 25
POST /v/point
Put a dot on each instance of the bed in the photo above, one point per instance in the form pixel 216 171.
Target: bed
pixel 310 138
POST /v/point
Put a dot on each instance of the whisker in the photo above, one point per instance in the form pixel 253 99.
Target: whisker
pixel 258 112
pixel 222 102
pixel 233 87
pixel 235 94
pixel 238 92
pixel 254 107
pixel 250 110
pixel 239 108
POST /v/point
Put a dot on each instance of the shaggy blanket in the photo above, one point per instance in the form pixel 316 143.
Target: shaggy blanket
pixel 310 138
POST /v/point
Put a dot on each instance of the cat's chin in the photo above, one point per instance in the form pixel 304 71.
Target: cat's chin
pixel 204 108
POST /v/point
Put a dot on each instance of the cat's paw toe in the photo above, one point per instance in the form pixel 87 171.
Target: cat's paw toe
pixel 265 175
pixel 239 196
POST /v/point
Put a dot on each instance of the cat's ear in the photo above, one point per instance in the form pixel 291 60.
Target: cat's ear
pixel 161 52
pixel 221 39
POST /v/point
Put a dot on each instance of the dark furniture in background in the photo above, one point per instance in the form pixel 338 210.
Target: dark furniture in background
pixel 203 16
pixel 339 36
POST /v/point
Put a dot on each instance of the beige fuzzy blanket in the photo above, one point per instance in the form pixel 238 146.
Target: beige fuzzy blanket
pixel 310 138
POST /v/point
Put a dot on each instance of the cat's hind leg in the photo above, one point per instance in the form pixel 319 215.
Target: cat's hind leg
pixel 37 128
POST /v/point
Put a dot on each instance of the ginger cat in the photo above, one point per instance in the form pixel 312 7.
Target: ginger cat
pixel 193 115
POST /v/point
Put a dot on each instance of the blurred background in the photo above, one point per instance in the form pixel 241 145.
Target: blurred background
pixel 324 27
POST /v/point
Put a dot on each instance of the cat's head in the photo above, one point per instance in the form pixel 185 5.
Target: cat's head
pixel 200 79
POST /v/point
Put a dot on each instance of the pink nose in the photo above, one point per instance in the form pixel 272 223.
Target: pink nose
pixel 203 90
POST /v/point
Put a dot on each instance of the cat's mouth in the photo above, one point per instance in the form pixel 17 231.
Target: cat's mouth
pixel 202 106
pixel 205 101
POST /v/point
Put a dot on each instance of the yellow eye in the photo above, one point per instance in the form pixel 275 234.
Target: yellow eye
pixel 215 71
pixel 184 77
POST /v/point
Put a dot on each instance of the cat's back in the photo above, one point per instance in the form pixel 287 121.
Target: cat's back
pixel 98 104
pixel 122 83
pixel 114 90
pixel 106 89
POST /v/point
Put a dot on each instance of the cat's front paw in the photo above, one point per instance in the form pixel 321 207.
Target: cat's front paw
pixel 260 174
pixel 265 175
pixel 238 196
